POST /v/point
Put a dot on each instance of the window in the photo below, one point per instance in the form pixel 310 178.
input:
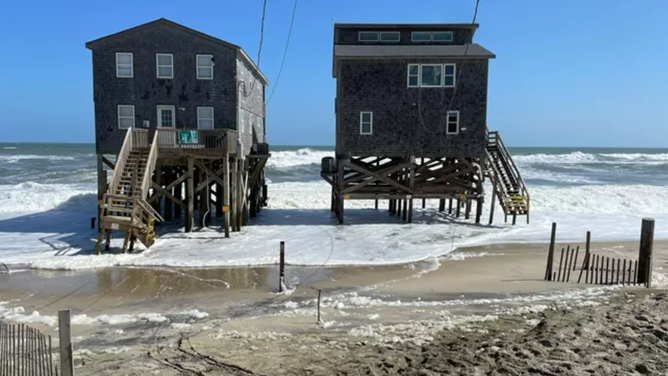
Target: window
pixel 124 64
pixel 366 122
pixel 421 36
pixel 389 36
pixel 205 117
pixel 166 116
pixel 204 67
pixel 442 36
pixel 431 75
pixel 126 116
pixel 453 123
pixel 368 36
pixel 165 65
pixel 413 75
pixel 449 76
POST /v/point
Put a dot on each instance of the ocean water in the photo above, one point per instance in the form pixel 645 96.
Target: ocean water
pixel 606 190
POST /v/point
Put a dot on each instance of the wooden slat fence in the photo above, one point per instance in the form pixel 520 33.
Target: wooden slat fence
pixel 600 269
pixel 24 351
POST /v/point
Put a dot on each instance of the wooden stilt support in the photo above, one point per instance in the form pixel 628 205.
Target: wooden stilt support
pixel 459 207
pixel 219 200
pixel 178 193
pixel 441 205
pixel 491 208
pixel 226 194
pixel 341 198
pixel 169 177
pixel 450 208
pixel 201 202
pixel 467 214
pixel 108 244
pixel 190 193
pixel 645 253
pixel 478 210
pixel 234 185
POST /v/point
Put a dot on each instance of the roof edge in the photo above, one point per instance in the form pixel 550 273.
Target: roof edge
pixel 407 25
pixel 163 21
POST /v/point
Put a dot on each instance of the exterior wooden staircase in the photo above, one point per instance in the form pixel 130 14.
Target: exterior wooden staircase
pixel 124 206
pixel 509 187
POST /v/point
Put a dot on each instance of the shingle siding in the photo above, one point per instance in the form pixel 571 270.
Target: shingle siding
pixel 380 86
pixel 250 115
pixel 145 91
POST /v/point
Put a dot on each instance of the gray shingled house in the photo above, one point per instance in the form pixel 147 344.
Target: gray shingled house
pixel 180 119
pixel 411 120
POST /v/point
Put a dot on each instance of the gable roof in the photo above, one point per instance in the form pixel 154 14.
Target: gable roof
pixel 394 51
pixel 163 21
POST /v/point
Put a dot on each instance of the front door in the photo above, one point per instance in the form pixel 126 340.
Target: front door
pixel 166 118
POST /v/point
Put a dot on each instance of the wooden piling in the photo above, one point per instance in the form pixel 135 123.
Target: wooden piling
pixel 234 185
pixel 66 351
pixel 467 213
pixel 178 193
pixel 478 210
pixel 169 177
pixel 319 291
pixel 450 207
pixel 645 253
pixel 491 207
pixel 441 205
pixel 226 194
pixel 459 206
pixel 190 193
pixel 281 268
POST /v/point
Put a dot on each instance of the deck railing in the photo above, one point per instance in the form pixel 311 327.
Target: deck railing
pixel 193 140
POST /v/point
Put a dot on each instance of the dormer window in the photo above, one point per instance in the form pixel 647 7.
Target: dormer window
pixel 390 36
pixel 421 36
pixel 368 36
pixel 442 36
pixel 165 65
pixel 428 36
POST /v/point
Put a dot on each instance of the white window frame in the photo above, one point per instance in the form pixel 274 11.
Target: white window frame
pixel 447 122
pixel 454 75
pixel 380 36
pixel 213 124
pixel 440 84
pixel 161 107
pixel 197 66
pixel 452 36
pixel 408 75
pixel 359 36
pixel 158 66
pixel 118 115
pixel 132 70
pixel 362 113
pixel 421 32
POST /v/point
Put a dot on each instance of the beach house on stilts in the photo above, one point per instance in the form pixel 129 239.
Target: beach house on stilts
pixel 180 121
pixel 411 121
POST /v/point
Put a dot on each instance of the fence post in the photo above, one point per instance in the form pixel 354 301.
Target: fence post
pixel 645 253
pixel 281 268
pixel 65 335
pixel 550 254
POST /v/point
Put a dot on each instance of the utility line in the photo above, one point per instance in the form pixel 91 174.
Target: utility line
pixel 285 51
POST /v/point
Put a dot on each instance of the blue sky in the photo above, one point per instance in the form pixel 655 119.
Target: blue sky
pixel 567 73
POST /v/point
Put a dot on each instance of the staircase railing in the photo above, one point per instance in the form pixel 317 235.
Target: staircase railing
pixel 150 166
pixel 494 138
pixel 120 161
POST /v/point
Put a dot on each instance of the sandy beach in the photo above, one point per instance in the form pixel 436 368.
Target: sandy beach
pixel 121 315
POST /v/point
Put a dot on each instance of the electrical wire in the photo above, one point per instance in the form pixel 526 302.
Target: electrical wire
pixel 460 69
pixel 285 51
pixel 259 50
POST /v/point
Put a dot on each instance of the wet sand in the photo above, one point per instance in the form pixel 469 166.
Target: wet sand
pixel 243 301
